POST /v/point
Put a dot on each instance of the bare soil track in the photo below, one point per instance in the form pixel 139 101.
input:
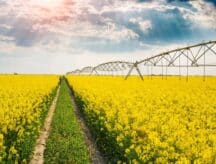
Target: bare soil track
pixel 38 155
pixel 95 154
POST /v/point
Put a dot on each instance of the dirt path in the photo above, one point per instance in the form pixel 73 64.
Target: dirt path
pixel 95 155
pixel 38 156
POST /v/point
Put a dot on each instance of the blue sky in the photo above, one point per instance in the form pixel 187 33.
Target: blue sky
pixel 56 36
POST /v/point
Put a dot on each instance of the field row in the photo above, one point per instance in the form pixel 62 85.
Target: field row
pixel 66 142
pixel 162 121
pixel 24 102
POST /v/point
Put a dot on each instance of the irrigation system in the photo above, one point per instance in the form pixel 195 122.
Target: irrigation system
pixel 199 55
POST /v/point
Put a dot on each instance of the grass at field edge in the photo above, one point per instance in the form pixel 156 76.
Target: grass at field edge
pixel 66 141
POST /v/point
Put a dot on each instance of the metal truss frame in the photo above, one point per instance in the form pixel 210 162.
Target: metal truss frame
pixel 195 56
pixel 111 67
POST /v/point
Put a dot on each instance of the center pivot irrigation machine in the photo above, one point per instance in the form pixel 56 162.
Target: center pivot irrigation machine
pixel 200 55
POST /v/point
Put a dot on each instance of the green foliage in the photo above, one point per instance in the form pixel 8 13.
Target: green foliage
pixel 25 147
pixel 66 141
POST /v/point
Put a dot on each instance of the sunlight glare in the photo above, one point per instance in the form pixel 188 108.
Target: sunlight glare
pixel 47 3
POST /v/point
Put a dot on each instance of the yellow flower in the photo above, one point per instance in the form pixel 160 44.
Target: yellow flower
pixel 21 98
pixel 13 150
pixel 160 120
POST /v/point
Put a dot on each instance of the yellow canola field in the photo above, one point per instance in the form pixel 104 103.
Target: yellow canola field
pixel 24 101
pixel 161 121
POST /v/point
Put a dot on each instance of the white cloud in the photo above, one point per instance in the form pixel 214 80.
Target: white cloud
pixel 4 38
pixel 114 33
pixel 133 5
pixel 5 26
pixel 144 25
pixel 57 31
pixel 204 16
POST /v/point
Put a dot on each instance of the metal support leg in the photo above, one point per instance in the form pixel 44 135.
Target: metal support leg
pixel 138 70
pixel 162 68
pixel 204 68
pixel 129 73
pixel 166 71
pixel 187 67
pixel 151 71
pixel 96 73
pixel 179 68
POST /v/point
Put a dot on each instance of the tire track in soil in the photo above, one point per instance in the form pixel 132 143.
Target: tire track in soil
pixel 38 155
pixel 95 154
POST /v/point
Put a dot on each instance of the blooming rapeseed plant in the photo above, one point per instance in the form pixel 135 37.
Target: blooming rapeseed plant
pixel 161 121
pixel 23 101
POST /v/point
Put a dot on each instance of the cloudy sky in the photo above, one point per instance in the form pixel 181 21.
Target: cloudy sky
pixel 56 36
